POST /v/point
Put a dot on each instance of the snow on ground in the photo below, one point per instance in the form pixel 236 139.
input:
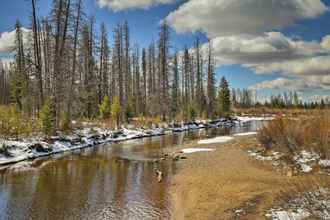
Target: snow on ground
pixel 305 160
pixel 307 205
pixel 221 139
pixel 324 163
pixel 286 215
pixel 246 134
pixel 194 150
pixel 271 156
pixel 248 118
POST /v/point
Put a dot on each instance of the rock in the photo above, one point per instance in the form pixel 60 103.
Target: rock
pixel 159 175
pixel 40 148
pixel 21 167
pixel 176 157
pixel 289 173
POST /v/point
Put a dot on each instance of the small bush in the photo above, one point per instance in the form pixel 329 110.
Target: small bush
pixel 116 110
pixel 104 108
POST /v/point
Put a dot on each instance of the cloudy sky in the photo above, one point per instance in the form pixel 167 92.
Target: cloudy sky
pixel 267 45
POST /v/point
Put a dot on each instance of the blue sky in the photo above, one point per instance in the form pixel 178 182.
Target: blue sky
pixel 289 37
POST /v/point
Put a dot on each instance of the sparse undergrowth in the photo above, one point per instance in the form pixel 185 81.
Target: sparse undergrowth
pixel 14 124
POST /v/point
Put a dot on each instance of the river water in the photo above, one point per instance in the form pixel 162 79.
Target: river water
pixel 112 181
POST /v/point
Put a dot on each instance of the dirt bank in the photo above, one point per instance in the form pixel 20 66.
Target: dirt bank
pixel 228 184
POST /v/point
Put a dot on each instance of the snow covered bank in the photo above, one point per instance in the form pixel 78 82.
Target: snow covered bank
pixel 17 151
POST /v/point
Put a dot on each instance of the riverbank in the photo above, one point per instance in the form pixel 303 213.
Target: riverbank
pixel 13 151
pixel 228 183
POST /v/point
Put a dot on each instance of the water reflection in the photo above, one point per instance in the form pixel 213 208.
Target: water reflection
pixel 115 181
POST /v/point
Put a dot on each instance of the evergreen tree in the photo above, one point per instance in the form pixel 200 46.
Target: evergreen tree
pixel 224 97
pixel 19 79
pixel 47 118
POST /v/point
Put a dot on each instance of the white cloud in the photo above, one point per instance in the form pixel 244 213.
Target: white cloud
pixel 319 65
pixel 267 48
pixel 236 17
pixel 119 5
pixel 7 40
pixel 242 32
pixel 290 84
pixel 273 52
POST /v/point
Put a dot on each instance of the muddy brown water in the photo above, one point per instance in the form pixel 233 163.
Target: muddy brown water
pixel 112 181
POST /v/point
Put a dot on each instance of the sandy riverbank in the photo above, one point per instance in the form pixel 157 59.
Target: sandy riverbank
pixel 228 184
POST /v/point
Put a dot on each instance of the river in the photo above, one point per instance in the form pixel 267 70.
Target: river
pixel 112 181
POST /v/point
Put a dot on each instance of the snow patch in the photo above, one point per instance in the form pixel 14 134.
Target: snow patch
pixel 286 215
pixel 305 160
pixel 312 204
pixel 221 139
pixel 244 119
pixel 194 150
pixel 324 163
pixel 246 134
pixel 259 155
pixel 305 168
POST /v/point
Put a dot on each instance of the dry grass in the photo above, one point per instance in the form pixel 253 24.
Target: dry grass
pixel 289 134
pixel 292 112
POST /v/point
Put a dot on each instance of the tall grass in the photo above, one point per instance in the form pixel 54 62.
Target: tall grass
pixel 291 134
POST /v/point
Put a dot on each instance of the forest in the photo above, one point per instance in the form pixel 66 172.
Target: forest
pixel 65 70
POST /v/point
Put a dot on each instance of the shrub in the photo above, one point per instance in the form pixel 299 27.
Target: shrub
pixel 292 134
pixel 115 110
pixel 104 108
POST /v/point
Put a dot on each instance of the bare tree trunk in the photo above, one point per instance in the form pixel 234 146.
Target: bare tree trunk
pixel 37 55
pixel 74 61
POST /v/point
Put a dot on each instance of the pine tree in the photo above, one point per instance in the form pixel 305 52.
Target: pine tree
pixel 19 79
pixel 224 98
pixel 47 118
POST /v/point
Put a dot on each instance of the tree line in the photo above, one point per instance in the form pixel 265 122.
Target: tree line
pixel 67 70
